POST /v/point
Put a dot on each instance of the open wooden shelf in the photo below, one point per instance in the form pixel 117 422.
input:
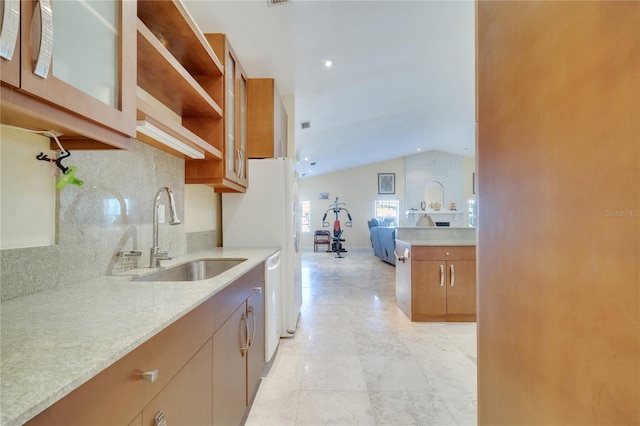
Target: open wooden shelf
pixel 181 76
pixel 166 79
pixel 172 24
pixel 148 112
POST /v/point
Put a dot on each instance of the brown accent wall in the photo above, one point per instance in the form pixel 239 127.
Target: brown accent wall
pixel 559 212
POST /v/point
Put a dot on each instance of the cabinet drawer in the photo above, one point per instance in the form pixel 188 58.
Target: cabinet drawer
pixel 235 294
pixel 444 253
pixel 186 400
pixel 118 394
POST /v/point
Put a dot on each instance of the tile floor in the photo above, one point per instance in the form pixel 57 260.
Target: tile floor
pixel 357 360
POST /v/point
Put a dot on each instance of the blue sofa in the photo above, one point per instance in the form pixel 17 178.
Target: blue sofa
pixel 383 240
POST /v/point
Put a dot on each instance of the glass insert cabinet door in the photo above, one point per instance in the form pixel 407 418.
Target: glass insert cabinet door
pixel 235 119
pixel 230 113
pixel 80 55
pixel 85 54
pixel 242 145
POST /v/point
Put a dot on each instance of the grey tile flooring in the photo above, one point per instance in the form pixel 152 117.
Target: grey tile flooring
pixel 357 360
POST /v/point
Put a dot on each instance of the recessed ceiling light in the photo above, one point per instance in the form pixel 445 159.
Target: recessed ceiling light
pixel 306 158
pixel 419 149
pixel 328 63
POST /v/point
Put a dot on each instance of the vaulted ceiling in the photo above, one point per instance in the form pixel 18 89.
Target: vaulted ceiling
pixel 402 79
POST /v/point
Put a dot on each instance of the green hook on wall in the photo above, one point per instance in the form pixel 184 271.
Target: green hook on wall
pixel 68 176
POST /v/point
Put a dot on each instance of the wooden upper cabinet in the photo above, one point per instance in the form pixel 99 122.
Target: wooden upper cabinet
pixel 10 43
pixel 229 175
pixel 81 82
pixel 180 83
pixel 267 120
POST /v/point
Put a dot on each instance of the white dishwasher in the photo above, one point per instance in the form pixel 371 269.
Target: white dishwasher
pixel 272 305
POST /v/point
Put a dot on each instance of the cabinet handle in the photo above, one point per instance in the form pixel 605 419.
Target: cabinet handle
pixel 243 350
pixel 404 257
pixel 159 419
pixel 258 289
pixel 441 275
pixel 10 28
pixel 253 328
pixel 239 163
pixel 150 376
pixel 453 275
pixel 42 22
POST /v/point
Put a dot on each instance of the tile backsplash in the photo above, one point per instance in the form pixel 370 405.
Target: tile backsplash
pixel 111 212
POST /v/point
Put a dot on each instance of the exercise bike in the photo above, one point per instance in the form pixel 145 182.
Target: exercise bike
pixel 336 240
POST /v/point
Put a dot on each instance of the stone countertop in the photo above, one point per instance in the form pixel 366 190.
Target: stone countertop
pixel 437 236
pixel 439 242
pixel 56 340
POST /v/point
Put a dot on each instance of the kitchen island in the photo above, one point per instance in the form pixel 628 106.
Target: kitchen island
pixel 436 273
pixel 54 341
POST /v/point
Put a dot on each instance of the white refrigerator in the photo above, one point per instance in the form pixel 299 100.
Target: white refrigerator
pixel 269 215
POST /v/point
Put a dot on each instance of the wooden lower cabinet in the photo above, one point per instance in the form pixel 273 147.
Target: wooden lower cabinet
pixel 428 291
pixel 204 376
pixel 437 283
pixel 186 399
pixel 119 393
pixel 238 359
pixel 137 421
pixel 229 369
pixel 461 292
pixel 255 357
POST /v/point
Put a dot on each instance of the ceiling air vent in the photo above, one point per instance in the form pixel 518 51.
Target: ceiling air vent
pixel 305 125
pixel 276 2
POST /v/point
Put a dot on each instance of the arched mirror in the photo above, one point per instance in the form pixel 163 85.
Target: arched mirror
pixel 434 195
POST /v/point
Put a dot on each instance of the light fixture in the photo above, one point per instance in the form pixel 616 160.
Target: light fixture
pixel 160 135
pixel 328 63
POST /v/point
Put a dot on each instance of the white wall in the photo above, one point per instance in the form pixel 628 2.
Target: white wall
pixel 200 208
pixel 358 188
pixel 27 211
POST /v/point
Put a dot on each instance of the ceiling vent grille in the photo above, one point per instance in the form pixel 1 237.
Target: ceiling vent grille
pixel 305 125
pixel 277 2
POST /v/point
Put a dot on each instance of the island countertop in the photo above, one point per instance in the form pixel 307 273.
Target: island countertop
pixel 56 340
pixel 438 242
pixel 437 236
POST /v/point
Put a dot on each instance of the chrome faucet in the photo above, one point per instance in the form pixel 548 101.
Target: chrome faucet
pixel 156 254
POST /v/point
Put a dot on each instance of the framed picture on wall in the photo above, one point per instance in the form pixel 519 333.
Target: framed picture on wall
pixel 386 183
